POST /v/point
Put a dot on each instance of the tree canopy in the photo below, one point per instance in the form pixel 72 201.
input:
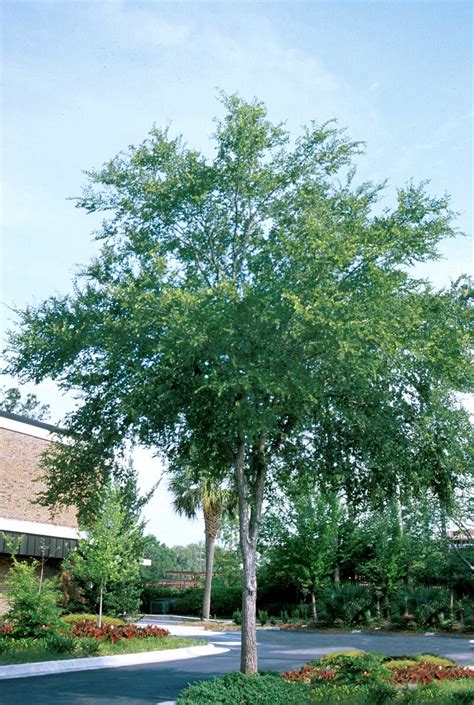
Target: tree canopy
pixel 29 405
pixel 257 308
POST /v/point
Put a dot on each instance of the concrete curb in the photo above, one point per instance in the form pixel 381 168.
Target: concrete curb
pixel 46 668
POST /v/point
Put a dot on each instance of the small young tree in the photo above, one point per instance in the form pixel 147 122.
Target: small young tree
pixel 34 609
pixel 110 556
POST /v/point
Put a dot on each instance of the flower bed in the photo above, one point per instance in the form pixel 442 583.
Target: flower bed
pixel 354 678
pixel 113 633
pixel 363 669
pixel 85 639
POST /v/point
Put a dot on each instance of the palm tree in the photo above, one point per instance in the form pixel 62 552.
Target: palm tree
pixel 194 491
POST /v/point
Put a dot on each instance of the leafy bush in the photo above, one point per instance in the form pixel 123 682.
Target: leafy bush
pixel 362 669
pixel 400 663
pixel 224 601
pixel 189 602
pixel 235 688
pixel 334 655
pixel 151 593
pixel 60 643
pixel 262 617
pixel 436 660
pixel 86 617
pixel 88 646
pixel 34 609
pixel 5 644
pixel 353 604
pixel 237 617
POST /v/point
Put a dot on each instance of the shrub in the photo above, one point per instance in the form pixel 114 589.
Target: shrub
pixel 86 617
pixel 190 602
pixel 151 593
pixel 436 660
pixel 60 643
pixel 263 617
pixel 237 617
pixel 5 644
pixel 224 601
pixel 235 688
pixel 34 609
pixel 328 658
pixel 400 663
pixel 362 669
pixel 88 646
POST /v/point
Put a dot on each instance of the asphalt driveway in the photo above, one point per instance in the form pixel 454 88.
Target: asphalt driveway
pixel 156 683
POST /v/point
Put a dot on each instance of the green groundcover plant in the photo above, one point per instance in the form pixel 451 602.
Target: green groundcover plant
pixel 354 678
pixel 236 688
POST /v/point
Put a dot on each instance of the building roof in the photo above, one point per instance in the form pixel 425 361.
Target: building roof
pixel 27 426
pixel 30 422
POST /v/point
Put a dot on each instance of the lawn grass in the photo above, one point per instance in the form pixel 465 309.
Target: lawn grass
pixel 33 653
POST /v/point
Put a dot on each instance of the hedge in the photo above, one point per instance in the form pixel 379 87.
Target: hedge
pixel 224 601
pixel 261 689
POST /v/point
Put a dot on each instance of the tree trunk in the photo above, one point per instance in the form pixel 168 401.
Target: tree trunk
pixel 212 524
pixel 314 611
pixel 399 510
pixel 379 613
pixel 101 600
pixel 248 654
pixel 250 508
pixel 41 574
pixel 387 608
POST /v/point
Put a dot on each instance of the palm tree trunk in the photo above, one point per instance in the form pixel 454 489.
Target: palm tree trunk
pixel 212 522
pixel 101 601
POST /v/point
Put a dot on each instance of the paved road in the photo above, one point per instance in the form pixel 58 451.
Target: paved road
pixel 156 683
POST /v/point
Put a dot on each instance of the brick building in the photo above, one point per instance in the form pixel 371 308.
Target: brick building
pixel 46 537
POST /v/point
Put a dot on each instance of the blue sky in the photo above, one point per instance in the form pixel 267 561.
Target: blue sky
pixel 82 80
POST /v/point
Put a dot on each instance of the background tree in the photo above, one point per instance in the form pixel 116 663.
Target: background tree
pixel 228 557
pixel 162 559
pixel 301 542
pixel 29 405
pixel 238 302
pixel 109 557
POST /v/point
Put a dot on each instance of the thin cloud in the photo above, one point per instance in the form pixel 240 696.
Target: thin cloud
pixel 142 28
